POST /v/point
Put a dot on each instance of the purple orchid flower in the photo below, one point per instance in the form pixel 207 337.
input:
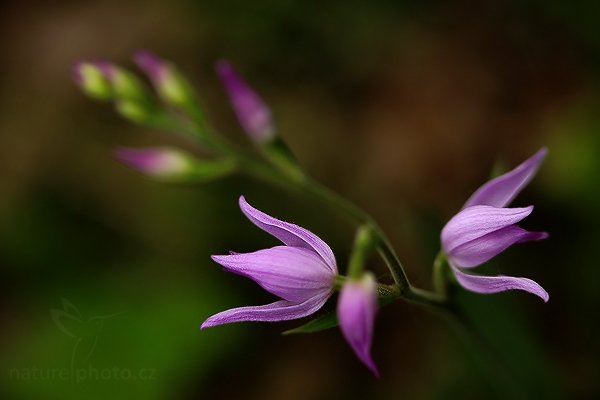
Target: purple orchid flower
pixel 251 111
pixel 301 273
pixel 485 227
pixel 356 309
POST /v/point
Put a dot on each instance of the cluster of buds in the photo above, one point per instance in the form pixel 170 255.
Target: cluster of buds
pixel 105 81
pixel 133 100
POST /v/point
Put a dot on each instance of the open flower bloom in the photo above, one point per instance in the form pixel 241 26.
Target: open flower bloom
pixel 301 273
pixel 356 309
pixel 485 227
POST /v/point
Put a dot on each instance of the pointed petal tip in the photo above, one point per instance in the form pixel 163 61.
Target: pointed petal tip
pixel 149 63
pixel 534 236
pixel 500 191
pixel 216 258
pixel 541 153
pixel 546 297
pixel 367 360
pixel 500 283
pixel 205 325
pixel 375 370
pixel 223 66
pixel 538 291
pixel 288 233
pixel 222 260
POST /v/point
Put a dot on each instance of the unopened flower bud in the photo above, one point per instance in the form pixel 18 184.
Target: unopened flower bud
pixel 168 82
pixel 357 306
pixel 252 113
pixel 135 111
pixel 173 165
pixel 92 80
pixel 125 85
pixel 155 162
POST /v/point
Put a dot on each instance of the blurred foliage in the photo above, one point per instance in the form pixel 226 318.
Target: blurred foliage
pixel 404 107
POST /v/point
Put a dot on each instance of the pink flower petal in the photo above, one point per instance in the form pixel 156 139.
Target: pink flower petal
pixel 500 191
pixel 477 221
pixel 289 234
pixel 282 310
pixel 496 284
pixel 484 248
pixel 292 273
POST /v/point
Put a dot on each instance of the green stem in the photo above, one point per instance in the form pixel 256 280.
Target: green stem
pixel 333 200
pixel 363 245
pixel 440 275
pixel 249 164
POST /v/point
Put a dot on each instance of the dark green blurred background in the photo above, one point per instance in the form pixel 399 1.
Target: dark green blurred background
pixel 403 108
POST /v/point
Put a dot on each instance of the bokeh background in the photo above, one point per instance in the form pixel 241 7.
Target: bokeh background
pixel 403 107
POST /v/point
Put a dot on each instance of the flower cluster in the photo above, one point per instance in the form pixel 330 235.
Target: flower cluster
pixel 302 272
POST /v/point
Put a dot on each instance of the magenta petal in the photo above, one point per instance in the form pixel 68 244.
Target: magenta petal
pixel 282 310
pixel 292 273
pixel 289 234
pixel 484 248
pixel 356 310
pixel 477 221
pixel 495 284
pixel 500 191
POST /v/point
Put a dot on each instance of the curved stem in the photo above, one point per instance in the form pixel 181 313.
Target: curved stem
pixel 384 247
pixel 363 245
pixel 440 271
pixel 249 164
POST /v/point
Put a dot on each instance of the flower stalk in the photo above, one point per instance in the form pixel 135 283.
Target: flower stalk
pixel 363 245
pixel 440 275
